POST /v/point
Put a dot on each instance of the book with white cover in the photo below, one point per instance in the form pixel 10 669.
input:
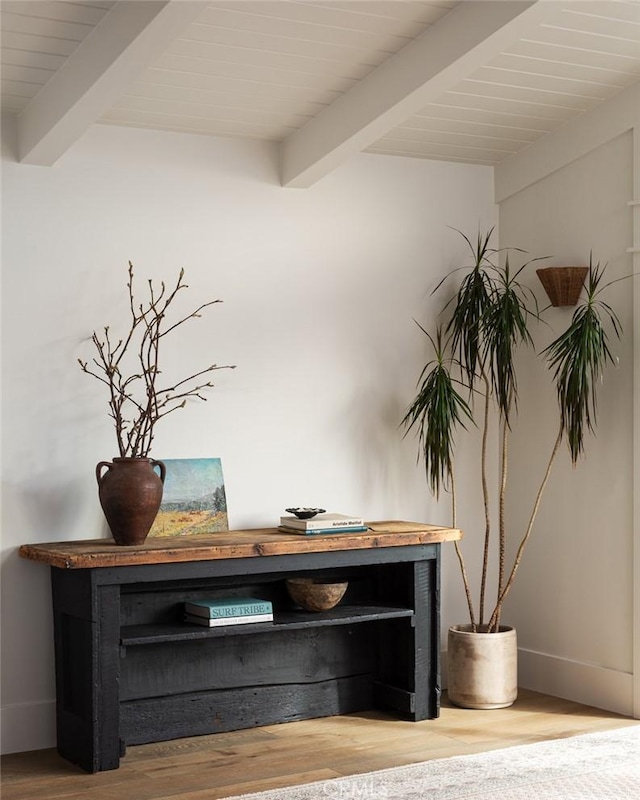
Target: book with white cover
pixel 322 522
pixel 322 531
pixel 216 622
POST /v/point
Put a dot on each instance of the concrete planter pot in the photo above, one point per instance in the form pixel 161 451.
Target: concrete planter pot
pixel 482 667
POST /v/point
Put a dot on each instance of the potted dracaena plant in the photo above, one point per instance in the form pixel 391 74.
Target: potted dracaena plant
pixel 472 372
pixel 130 490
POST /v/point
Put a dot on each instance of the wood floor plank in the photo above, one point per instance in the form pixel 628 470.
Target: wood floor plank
pixel 220 765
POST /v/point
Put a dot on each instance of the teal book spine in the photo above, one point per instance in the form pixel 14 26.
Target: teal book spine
pixel 228 607
pixel 322 531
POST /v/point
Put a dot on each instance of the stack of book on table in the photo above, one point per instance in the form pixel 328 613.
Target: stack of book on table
pixel 228 611
pixel 322 523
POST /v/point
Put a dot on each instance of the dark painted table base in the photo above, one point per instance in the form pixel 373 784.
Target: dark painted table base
pixel 129 670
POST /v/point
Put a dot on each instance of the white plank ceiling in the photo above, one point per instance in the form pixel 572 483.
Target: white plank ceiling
pixel 459 81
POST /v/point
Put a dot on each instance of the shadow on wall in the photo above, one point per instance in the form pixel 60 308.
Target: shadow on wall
pixel 26 647
pixel 42 509
pixel 392 483
pixel 48 510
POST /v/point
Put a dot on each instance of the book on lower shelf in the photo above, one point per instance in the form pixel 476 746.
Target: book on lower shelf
pixel 323 522
pixel 218 622
pixel 321 531
pixel 228 607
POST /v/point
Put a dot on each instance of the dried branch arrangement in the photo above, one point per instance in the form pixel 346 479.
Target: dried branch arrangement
pixel 137 399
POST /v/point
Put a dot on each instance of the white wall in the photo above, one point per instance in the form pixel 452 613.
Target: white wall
pixel 573 599
pixel 319 286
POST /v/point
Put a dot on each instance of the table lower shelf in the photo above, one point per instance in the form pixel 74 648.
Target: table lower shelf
pixel 134 635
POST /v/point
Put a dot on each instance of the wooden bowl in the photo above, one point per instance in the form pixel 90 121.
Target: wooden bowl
pixel 314 595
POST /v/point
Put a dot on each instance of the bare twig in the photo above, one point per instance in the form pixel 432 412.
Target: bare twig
pixel 485 494
pixel 458 549
pixel 534 513
pixel 135 402
pixel 502 519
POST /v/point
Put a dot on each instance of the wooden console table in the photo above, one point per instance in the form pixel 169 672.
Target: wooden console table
pixel 129 670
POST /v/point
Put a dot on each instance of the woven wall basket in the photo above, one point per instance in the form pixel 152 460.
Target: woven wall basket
pixel 563 284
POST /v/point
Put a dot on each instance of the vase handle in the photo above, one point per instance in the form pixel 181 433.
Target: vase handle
pixel 107 464
pixel 161 466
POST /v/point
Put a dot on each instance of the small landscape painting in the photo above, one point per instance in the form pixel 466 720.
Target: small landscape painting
pixel 194 500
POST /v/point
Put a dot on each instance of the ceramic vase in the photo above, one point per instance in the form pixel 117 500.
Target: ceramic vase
pixel 130 492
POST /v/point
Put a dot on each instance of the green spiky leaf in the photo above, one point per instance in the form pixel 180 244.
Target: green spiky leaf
pixel 578 357
pixel 504 327
pixel 436 411
pixel 471 303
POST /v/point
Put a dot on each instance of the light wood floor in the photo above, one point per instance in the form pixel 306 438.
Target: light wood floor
pixel 217 766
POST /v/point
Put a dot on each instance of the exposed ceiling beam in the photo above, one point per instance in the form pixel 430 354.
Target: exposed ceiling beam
pixel 130 36
pixel 577 137
pixel 431 64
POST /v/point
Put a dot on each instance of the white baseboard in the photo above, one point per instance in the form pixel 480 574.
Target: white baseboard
pixel 28 726
pixel 594 686
pixel 591 685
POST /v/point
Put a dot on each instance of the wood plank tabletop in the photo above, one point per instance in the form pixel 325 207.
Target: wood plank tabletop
pixel 89 553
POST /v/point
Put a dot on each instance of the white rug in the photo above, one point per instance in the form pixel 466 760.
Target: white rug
pixel 597 766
